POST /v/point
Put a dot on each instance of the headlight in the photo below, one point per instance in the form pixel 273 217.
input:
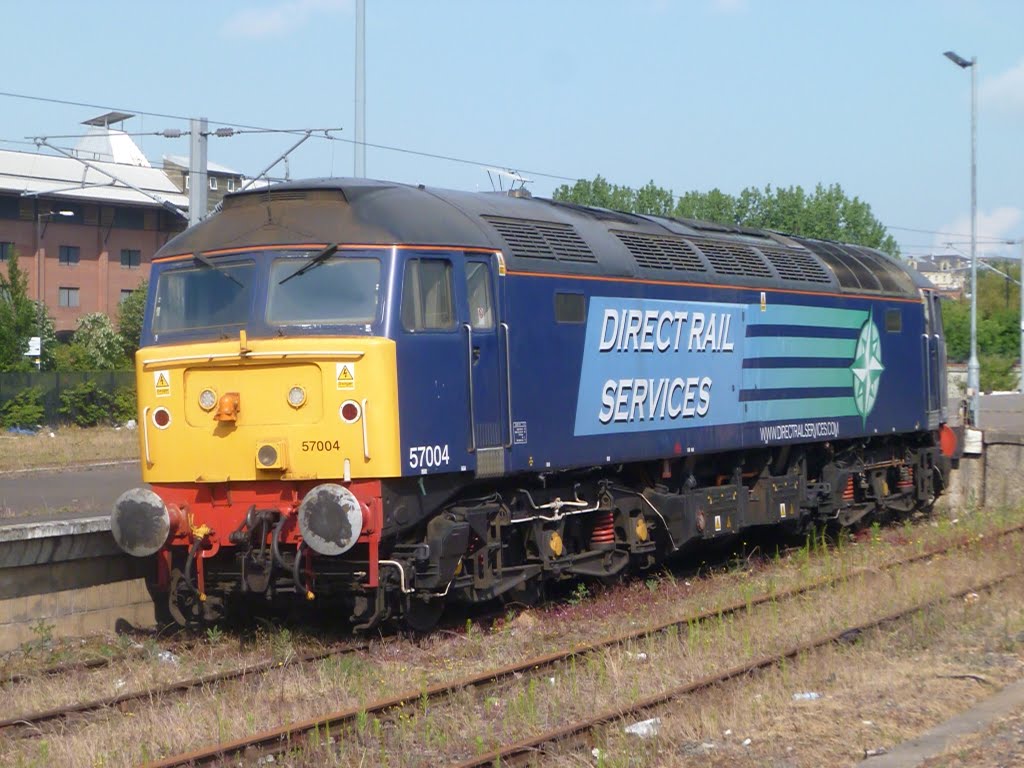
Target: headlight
pixel 296 397
pixel 267 455
pixel 207 399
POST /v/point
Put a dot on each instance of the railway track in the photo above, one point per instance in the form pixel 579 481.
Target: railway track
pixel 86 665
pixel 30 723
pixel 521 751
pixel 276 741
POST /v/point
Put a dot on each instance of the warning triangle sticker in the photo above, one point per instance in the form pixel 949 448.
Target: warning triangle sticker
pixel 346 378
pixel 162 383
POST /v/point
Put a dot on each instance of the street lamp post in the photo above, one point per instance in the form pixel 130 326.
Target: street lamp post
pixel 41 217
pixel 973 368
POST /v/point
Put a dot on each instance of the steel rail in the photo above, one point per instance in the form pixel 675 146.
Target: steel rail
pixel 35 719
pixel 82 665
pixel 511 754
pixel 278 740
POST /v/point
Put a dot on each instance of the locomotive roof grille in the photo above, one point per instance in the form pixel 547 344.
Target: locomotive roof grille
pixel 732 258
pixel 848 268
pixel 794 264
pixel 543 240
pixel 541 236
pixel 891 277
pixel 661 251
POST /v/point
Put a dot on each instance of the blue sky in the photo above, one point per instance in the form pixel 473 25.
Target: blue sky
pixel 692 94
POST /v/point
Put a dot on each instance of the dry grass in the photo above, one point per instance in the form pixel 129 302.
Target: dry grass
pixel 69 446
pixel 436 733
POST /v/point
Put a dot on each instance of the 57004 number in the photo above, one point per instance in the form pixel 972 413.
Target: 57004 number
pixel 427 456
pixel 320 446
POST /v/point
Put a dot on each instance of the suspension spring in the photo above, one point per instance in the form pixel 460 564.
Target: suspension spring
pixel 848 491
pixel 604 530
pixel 906 481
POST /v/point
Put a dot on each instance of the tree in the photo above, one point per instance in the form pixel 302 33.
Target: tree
pixel 129 318
pixel 96 345
pixel 998 319
pixel 17 318
pixel 45 329
pixel 826 214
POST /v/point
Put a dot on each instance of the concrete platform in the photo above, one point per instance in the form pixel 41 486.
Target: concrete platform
pixel 938 739
pixel 66 493
pixel 67 578
pixel 48 542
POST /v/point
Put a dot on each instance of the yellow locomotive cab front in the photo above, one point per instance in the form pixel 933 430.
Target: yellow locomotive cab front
pixel 270 409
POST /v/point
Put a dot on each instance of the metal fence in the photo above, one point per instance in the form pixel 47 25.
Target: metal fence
pixel 53 384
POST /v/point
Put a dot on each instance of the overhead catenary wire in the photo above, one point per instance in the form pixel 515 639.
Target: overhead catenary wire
pixel 236 125
pixel 242 127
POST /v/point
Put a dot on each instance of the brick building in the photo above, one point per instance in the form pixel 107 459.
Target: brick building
pixel 85 234
pixel 219 178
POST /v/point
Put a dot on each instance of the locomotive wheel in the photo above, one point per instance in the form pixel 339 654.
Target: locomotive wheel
pixel 422 615
pixel 183 602
pixel 530 593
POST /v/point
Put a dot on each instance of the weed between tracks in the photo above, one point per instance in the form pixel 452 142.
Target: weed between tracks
pixel 434 732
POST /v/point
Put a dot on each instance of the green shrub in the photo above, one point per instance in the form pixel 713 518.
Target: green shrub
pixel 997 374
pixel 25 409
pixel 86 405
pixel 125 404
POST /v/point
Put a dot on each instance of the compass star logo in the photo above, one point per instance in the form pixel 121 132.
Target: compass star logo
pixel 867 368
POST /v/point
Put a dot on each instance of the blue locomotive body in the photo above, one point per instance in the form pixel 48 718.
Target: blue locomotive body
pixel 579 391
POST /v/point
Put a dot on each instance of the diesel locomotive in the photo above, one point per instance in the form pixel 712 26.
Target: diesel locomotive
pixel 385 397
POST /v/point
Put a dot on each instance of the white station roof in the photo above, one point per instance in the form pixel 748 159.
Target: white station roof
pixel 56 176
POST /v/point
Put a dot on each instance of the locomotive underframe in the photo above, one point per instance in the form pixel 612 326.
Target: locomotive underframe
pixel 508 538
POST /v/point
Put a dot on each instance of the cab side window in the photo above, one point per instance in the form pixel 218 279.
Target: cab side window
pixel 478 292
pixel 427 296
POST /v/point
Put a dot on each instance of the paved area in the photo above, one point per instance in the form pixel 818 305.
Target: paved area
pixel 1002 412
pixel 65 494
pixel 938 739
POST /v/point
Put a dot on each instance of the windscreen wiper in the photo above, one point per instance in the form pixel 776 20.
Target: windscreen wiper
pixel 317 260
pixel 205 261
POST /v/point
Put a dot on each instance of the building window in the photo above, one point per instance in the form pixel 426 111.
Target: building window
pixel 129 218
pixel 213 182
pixel 69 297
pixel 131 258
pixel 69 254
pixel 125 293
pixel 10 207
pixel 231 185
pixel 6 251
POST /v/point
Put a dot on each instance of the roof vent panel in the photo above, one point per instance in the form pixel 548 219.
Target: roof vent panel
pixel 731 258
pixel 661 252
pixel 543 240
pixel 796 264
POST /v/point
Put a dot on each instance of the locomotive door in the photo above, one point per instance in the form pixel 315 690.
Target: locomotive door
pixel 939 340
pixel 484 350
pixel 933 349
